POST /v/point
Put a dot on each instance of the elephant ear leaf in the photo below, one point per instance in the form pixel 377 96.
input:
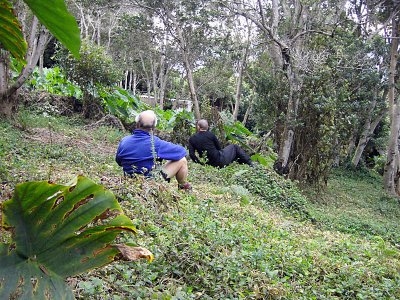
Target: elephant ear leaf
pixel 58 21
pixel 58 231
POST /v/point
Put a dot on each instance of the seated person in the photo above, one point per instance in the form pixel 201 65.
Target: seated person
pixel 138 152
pixel 205 141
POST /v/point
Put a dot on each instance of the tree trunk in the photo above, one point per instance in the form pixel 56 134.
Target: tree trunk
pixel 351 144
pixel 189 71
pixel 248 111
pixel 130 80
pixel 162 79
pixel 126 80
pixel 9 93
pixel 99 31
pixel 242 65
pixel 4 70
pixel 41 61
pixel 291 116
pixel 390 175
pixel 133 82
pixel 192 89
pixel 154 67
pixel 369 128
pixel 148 82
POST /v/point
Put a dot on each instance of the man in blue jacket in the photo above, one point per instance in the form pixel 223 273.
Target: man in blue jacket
pixel 138 152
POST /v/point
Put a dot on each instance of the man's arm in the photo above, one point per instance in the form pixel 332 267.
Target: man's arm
pixel 118 158
pixel 192 153
pixel 216 142
pixel 170 151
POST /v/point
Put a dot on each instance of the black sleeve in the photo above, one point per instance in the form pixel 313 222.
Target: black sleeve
pixel 216 142
pixel 192 153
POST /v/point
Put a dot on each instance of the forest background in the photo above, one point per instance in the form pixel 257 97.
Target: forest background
pixel 318 78
pixel 305 86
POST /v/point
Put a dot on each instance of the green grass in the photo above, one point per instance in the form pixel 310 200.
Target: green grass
pixel 355 202
pixel 241 234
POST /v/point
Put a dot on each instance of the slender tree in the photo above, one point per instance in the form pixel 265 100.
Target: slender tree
pixel 285 27
pixel 391 171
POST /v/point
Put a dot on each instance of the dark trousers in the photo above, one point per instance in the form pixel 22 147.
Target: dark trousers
pixel 233 153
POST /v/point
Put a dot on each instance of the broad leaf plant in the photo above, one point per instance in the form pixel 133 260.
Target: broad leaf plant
pixel 54 15
pixel 59 231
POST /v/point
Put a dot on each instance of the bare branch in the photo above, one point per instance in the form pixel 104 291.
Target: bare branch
pixel 311 31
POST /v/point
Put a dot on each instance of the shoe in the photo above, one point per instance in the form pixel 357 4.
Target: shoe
pixel 185 186
pixel 165 176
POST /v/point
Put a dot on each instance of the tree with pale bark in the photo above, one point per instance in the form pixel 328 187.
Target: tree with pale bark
pixel 38 21
pixel 286 26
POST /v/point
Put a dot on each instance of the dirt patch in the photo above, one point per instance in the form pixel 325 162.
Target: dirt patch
pixel 48 137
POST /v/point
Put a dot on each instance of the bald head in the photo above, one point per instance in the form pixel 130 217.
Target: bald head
pixel 202 124
pixel 146 120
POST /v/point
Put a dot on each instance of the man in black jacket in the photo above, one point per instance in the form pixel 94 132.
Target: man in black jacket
pixel 206 142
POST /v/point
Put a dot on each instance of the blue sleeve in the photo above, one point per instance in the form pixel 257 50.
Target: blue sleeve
pixel 170 151
pixel 117 157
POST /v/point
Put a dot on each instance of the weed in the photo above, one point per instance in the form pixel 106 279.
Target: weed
pixel 242 233
pixel 355 202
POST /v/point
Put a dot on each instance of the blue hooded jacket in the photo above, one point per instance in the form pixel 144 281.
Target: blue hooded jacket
pixel 135 155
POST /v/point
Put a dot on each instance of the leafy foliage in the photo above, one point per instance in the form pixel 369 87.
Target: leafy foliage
pixel 58 231
pixel 120 102
pixel 126 106
pixel 227 239
pixel 55 17
pixel 11 36
pixel 58 21
pixel 93 67
pixel 259 149
pixel 270 187
pixel 52 80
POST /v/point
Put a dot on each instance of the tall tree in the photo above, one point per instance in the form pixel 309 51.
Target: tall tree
pixel 285 27
pixel 391 174
pixel 188 23
pixel 242 65
pixel 37 38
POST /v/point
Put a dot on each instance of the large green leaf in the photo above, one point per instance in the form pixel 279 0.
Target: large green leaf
pixel 11 38
pixel 55 16
pixel 58 231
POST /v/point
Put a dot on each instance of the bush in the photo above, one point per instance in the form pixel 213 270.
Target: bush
pixel 379 163
pixel 52 80
pixel 93 67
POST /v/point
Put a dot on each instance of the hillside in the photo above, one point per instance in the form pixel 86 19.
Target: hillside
pixel 240 234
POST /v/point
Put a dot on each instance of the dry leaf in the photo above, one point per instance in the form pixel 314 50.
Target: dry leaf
pixel 134 253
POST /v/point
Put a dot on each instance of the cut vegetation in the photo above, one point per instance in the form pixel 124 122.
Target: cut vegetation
pixel 241 234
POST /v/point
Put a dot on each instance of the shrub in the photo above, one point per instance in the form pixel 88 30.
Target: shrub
pixel 52 80
pixel 379 163
pixel 93 67
pixel 269 187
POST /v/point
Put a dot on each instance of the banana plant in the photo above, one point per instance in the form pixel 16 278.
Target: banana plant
pixel 55 16
pixel 60 231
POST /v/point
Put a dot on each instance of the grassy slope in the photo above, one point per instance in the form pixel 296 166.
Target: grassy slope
pixel 355 202
pixel 239 235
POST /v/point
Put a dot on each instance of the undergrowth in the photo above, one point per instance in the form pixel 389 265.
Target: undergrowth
pixel 355 202
pixel 242 233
